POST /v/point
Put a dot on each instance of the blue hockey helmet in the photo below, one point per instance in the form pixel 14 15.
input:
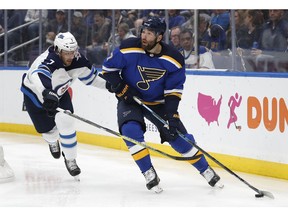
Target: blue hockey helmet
pixel 156 24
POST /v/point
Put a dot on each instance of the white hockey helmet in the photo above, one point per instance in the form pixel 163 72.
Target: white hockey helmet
pixel 65 41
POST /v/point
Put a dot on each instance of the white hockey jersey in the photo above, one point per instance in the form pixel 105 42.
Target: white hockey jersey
pixel 49 72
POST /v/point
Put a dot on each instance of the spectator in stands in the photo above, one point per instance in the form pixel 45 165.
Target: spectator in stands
pixel 88 22
pixel 191 59
pixel 132 15
pixel 101 31
pixel 203 33
pixel 123 32
pixel 101 28
pixel 33 28
pixel 189 24
pixel 78 29
pixel 217 38
pixel 240 29
pixel 271 50
pixel 222 18
pixel 99 53
pixel 137 26
pixel 175 37
pixel 187 14
pixel 253 22
pixel 203 26
pixel 88 17
pixel 274 35
pixel 248 35
pixel 175 19
pixel 59 24
pixel 15 19
pixel 128 17
pixel 144 14
pixel 219 24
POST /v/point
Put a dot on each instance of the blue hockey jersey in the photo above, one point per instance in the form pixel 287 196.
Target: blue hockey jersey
pixel 154 76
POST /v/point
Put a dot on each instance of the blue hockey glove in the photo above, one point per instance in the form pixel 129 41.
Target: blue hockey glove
pixel 51 101
pixel 173 124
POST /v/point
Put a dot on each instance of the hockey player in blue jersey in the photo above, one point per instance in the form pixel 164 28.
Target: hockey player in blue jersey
pixel 45 87
pixel 155 72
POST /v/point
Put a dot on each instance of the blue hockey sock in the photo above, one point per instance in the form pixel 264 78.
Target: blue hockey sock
pixel 180 145
pixel 186 149
pixel 140 154
pixel 202 164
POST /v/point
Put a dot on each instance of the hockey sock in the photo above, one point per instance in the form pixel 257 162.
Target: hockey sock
pixel 200 162
pixel 69 144
pixel 181 146
pixel 140 154
pixel 68 138
pixel 185 148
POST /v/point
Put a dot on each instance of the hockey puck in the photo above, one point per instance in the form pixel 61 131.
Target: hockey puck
pixel 259 195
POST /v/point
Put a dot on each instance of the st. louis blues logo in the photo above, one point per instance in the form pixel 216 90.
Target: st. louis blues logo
pixel 149 75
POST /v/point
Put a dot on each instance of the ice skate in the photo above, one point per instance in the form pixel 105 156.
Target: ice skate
pixel 55 149
pixel 152 180
pixel 6 173
pixel 72 168
pixel 212 178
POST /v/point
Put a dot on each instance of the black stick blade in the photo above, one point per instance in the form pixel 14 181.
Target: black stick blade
pixel 264 193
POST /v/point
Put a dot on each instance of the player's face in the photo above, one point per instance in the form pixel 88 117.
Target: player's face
pixel 67 57
pixel 148 39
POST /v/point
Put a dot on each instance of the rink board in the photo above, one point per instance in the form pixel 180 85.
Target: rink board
pixel 260 147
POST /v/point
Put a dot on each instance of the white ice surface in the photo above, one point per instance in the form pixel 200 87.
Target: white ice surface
pixel 111 179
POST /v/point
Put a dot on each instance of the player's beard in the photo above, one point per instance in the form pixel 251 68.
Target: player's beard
pixel 149 45
pixel 66 62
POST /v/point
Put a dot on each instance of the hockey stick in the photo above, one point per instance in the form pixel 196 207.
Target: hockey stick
pixel 179 158
pixel 260 193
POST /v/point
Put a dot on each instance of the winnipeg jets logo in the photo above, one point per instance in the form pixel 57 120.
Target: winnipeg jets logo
pixel 62 89
pixel 149 75
pixel 61 36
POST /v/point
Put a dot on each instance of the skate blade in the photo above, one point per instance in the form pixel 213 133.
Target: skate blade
pixel 219 185
pixel 77 178
pixel 157 189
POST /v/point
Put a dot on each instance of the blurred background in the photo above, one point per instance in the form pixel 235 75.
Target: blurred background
pixel 233 40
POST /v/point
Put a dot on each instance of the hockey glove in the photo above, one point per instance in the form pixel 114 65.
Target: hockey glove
pixel 51 101
pixel 109 87
pixel 125 92
pixel 173 124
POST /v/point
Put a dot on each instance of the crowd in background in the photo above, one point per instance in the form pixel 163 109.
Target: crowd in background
pixel 261 35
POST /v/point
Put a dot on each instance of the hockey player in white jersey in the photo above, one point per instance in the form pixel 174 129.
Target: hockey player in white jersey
pixel 45 87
